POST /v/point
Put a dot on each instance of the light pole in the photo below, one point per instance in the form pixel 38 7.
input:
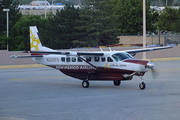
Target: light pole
pixel 45 9
pixel 144 28
pixel 7 10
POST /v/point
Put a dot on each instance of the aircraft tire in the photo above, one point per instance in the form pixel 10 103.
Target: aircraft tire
pixel 142 86
pixel 85 84
pixel 117 82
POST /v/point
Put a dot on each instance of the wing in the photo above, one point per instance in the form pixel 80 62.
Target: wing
pixel 41 53
pixel 70 53
pixel 147 49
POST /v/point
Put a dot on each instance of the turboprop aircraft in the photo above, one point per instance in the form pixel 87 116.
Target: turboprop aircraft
pixel 113 66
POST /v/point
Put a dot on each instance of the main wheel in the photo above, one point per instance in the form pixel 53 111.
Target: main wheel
pixel 117 82
pixel 142 86
pixel 85 84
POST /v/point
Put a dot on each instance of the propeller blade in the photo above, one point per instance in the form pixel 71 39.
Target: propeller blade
pixel 154 73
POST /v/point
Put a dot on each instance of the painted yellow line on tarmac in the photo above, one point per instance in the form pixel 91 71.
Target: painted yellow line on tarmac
pixel 164 59
pixel 44 114
pixel 38 78
pixel 16 109
pixel 166 70
pixel 22 66
pixel 170 70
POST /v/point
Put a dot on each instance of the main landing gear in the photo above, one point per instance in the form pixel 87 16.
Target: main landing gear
pixel 117 82
pixel 85 84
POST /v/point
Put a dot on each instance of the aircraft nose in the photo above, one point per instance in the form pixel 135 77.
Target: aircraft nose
pixel 149 65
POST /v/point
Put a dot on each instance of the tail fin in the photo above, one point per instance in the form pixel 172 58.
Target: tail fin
pixel 35 41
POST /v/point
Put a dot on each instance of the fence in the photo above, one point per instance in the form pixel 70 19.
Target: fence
pixel 165 39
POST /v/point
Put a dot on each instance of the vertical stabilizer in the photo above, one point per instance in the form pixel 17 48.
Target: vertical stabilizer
pixel 35 41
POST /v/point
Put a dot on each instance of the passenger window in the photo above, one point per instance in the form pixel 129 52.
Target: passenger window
pixel 109 59
pixel 96 59
pixel 79 60
pixel 88 59
pixel 103 59
pixel 63 59
pixel 67 59
pixel 73 59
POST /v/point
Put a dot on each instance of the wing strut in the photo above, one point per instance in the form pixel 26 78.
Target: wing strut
pixel 88 63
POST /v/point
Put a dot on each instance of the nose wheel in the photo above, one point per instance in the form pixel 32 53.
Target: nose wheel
pixel 142 85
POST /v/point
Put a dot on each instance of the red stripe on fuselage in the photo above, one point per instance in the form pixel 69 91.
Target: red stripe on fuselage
pixel 136 61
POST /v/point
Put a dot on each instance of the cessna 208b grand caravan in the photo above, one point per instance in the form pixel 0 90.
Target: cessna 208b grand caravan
pixel 113 66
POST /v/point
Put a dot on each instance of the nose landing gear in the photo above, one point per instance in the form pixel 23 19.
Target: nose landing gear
pixel 142 85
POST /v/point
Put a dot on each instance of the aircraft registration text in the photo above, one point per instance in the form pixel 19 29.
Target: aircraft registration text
pixel 52 59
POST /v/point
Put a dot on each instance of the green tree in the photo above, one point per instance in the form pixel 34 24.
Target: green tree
pixel 20 39
pixel 167 19
pixel 130 13
pixel 97 24
pixel 176 24
pixel 14 16
pixel 63 27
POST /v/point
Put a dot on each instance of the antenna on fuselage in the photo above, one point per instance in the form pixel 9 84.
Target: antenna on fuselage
pixel 101 49
pixel 110 49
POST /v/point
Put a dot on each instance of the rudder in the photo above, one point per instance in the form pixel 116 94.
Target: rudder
pixel 35 43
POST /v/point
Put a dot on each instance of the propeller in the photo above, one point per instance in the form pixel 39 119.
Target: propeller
pixel 154 72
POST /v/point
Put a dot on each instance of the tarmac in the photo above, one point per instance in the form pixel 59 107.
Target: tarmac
pixel 43 93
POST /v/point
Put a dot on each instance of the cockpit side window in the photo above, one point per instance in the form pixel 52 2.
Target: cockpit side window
pixel 115 58
pixel 121 56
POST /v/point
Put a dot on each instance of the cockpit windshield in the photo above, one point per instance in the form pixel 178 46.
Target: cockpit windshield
pixel 121 56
